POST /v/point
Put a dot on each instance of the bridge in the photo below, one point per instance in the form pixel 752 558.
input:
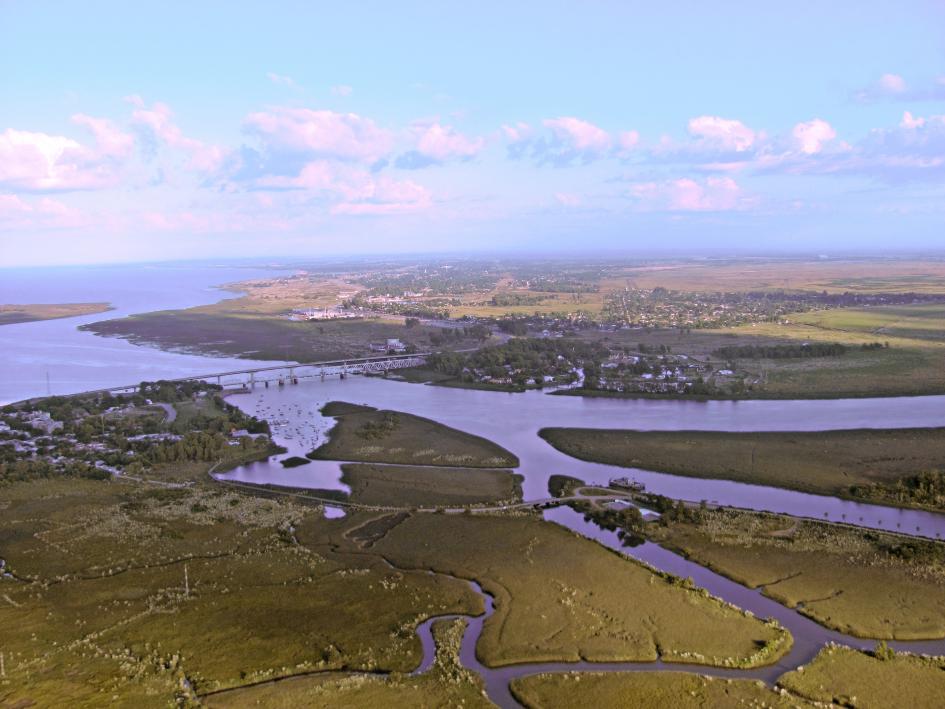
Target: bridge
pixel 288 374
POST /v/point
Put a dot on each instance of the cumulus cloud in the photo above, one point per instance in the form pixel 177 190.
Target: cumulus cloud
pixel 33 161
pixel 913 150
pixel 567 140
pixel 722 133
pixel 437 144
pixel 44 213
pixel 384 196
pixel 812 136
pixel 158 125
pixel 322 133
pixel 893 87
pixel 713 194
pixel 110 140
pixel 578 135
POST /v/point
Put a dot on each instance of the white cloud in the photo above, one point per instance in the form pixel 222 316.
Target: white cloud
pixel 157 120
pixel 35 161
pixel 44 213
pixel 687 195
pixel 442 143
pixel 893 87
pixel 579 135
pixel 812 136
pixel 342 136
pixel 386 196
pixel 722 133
pixel 341 90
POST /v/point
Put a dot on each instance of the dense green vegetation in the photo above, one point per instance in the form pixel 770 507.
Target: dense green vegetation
pixel 817 349
pixel 897 466
pixel 520 362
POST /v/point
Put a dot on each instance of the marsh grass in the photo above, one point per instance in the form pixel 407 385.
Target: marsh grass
pixel 426 486
pixel 840 463
pixel 560 597
pixel 405 439
pixel 859 582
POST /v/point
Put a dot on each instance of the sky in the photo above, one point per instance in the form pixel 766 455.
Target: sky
pixel 150 131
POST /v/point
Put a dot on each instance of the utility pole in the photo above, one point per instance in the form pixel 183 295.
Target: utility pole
pixel 186 582
pixel 3 669
pixel 48 390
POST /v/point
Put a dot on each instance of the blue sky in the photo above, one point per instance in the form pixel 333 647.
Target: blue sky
pixel 243 129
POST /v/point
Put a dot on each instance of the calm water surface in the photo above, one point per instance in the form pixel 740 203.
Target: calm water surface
pixel 78 361
pixel 513 421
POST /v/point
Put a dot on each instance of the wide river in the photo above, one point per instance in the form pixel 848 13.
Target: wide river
pixel 513 421
pixel 75 360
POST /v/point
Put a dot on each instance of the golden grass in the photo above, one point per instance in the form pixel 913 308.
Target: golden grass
pixel 852 678
pixel 446 684
pixel 845 579
pixel 562 597
pixel 126 590
pixel 427 486
pixel 653 690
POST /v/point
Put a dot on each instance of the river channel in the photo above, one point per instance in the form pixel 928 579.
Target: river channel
pixel 513 421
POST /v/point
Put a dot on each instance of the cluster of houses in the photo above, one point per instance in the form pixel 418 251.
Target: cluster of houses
pixel 391 346
pixel 332 313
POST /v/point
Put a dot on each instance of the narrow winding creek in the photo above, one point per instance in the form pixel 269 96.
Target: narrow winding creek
pixel 512 420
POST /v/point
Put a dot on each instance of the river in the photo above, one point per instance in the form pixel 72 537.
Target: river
pixel 75 360
pixel 513 421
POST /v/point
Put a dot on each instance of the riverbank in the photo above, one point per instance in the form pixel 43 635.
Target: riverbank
pixel 33 312
pixel 900 467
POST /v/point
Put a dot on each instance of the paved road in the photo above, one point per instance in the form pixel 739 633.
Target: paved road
pixel 170 413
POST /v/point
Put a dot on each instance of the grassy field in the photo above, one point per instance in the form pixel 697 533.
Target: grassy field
pixel 916 322
pixel 858 582
pixel 826 462
pixel 428 486
pixel 836 677
pixel 266 337
pixel 446 684
pixel 401 438
pixel 562 597
pixel 857 679
pixel 653 690
pixel 12 314
pixel 912 365
pixel 125 590
pixel 860 275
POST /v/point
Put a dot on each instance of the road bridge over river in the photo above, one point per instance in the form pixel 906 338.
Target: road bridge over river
pixel 287 374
